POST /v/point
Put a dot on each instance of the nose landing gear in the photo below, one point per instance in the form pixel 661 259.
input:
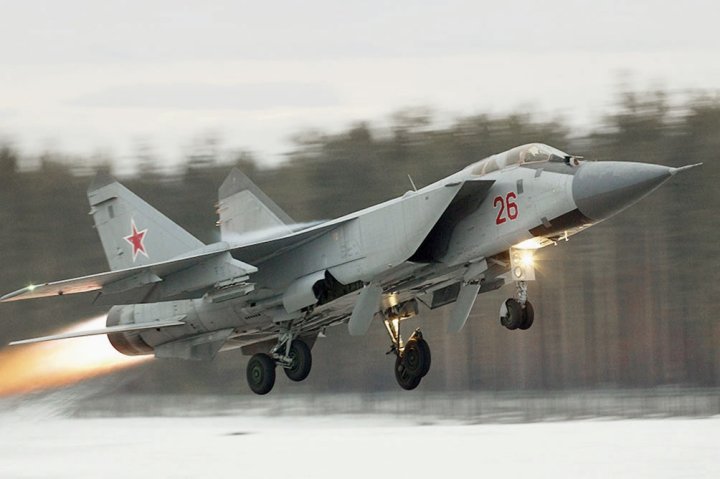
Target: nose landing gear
pixel 518 313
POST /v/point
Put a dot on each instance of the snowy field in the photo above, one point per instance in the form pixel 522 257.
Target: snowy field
pixel 362 446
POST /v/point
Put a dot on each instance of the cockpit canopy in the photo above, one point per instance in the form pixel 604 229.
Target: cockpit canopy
pixel 530 153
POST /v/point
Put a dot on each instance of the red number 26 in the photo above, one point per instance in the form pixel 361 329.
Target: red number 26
pixel 508 208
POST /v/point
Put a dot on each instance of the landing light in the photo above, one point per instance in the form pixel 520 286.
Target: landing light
pixel 526 258
pixel 532 243
pixel 522 264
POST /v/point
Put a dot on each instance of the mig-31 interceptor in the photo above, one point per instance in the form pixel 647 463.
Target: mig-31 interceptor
pixel 271 286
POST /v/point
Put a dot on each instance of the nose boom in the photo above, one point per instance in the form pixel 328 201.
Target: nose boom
pixel 603 189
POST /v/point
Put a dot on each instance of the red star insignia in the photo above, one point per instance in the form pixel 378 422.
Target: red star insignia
pixel 136 240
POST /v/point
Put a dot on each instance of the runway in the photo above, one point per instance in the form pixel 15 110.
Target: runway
pixel 359 446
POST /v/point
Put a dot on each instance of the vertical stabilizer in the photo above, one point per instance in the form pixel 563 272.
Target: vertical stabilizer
pixel 132 232
pixel 244 209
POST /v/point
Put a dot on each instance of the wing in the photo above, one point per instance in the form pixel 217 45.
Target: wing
pixel 214 268
pixel 196 273
pixel 123 328
pixel 221 269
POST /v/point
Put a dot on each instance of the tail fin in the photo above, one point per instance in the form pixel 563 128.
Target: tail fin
pixel 132 232
pixel 244 209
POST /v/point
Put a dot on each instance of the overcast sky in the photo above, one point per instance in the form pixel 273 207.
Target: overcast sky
pixel 84 76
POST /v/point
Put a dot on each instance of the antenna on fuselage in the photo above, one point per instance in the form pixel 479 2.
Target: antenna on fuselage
pixel 412 182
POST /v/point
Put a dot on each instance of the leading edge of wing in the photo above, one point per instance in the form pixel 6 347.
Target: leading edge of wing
pixel 136 277
pixel 179 321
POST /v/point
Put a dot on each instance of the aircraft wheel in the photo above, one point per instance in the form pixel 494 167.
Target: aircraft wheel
pixel 425 347
pixel 416 357
pixel 528 316
pixel 261 373
pixel 511 314
pixel 413 358
pixel 406 380
pixel 301 361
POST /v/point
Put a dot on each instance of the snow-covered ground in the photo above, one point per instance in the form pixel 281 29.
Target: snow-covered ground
pixel 362 446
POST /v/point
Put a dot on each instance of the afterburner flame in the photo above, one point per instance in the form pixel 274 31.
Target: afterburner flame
pixel 54 364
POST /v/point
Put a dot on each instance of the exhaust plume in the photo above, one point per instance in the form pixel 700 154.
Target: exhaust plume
pixel 55 364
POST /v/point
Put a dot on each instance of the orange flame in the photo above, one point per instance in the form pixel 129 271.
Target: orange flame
pixel 53 364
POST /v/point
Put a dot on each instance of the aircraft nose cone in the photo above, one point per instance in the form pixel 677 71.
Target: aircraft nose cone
pixel 603 189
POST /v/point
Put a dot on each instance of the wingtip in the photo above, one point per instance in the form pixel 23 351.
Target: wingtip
pixel 21 293
pixel 102 178
pixel 12 296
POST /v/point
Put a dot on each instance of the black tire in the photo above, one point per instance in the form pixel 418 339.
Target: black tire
pixel 261 373
pixel 514 316
pixel 425 347
pixel 406 380
pixel 528 316
pixel 301 361
pixel 413 358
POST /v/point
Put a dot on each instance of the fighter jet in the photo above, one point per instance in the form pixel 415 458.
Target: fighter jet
pixel 271 286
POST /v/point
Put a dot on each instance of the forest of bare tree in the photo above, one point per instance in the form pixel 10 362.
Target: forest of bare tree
pixel 628 304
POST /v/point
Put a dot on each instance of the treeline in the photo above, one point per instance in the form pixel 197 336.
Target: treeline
pixel 629 304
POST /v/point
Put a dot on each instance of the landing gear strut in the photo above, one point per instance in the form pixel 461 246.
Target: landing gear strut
pixel 412 359
pixel 518 313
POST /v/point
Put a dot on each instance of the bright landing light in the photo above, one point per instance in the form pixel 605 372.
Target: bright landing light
pixel 532 243
pixel 526 258
pixel 522 264
pixel 54 364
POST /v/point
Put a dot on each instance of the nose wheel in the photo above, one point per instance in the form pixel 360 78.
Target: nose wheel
pixel 518 313
pixel 528 316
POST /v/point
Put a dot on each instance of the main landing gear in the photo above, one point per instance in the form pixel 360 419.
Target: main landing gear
pixel 293 355
pixel 412 360
pixel 518 313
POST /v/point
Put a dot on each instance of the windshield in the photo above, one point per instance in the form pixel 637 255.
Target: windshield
pixel 534 153
pixel 525 154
